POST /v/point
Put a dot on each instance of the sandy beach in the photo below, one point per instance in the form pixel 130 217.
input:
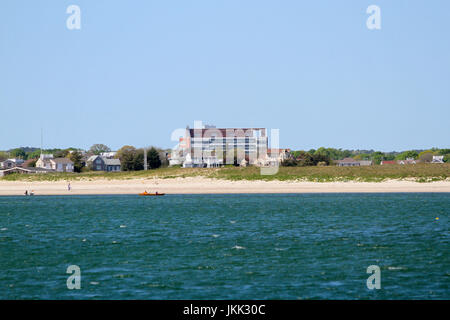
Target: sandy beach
pixel 200 185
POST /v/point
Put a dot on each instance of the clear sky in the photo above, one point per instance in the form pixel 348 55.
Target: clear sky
pixel 137 70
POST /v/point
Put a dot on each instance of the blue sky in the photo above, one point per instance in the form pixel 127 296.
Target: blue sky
pixel 137 70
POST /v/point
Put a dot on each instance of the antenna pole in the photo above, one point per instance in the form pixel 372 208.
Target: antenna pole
pixel 42 134
pixel 145 158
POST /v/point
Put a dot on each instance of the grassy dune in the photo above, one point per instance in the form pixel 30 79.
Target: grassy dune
pixel 418 172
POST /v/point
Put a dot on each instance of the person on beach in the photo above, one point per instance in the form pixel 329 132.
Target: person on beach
pixel 26 192
pixel 68 187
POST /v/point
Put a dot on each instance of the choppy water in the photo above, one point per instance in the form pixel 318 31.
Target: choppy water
pixel 225 246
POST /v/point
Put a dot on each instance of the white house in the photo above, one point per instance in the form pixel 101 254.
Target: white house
pixel 11 163
pixel 438 159
pixel 56 164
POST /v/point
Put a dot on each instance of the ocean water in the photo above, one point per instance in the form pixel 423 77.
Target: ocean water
pixel 304 246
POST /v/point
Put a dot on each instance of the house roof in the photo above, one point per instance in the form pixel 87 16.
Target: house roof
pixel 17 169
pixel 92 158
pixel 62 160
pixel 28 169
pixel 14 160
pixel 346 160
pixel 112 162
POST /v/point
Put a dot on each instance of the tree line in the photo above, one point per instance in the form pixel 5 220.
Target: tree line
pixel 131 158
pixel 326 156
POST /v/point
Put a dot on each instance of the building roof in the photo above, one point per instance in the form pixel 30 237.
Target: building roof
pixel 27 170
pixel 62 160
pixel 112 162
pixel 17 169
pixel 14 160
pixel 223 131
pixel 92 158
pixel 346 160
pixel 388 162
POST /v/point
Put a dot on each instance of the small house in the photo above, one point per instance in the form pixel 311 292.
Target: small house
pixel 11 163
pixel 407 161
pixel 100 163
pixel 56 164
pixel 347 162
pixel 438 159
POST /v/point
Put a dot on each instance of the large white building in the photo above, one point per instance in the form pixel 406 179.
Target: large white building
pixel 211 147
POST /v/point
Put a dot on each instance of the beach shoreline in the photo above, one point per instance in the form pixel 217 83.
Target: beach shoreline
pixel 201 185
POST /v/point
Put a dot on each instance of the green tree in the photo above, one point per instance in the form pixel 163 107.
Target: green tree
pixel 305 159
pixel 426 156
pixel 153 159
pixel 61 154
pixel 295 154
pixel 76 157
pixel 377 157
pixel 407 154
pixel 99 148
pixel 18 153
pixel 289 163
pixel 321 157
pixel 3 155
pixel 138 160
pixel 34 154
pixel 362 156
pixel 128 156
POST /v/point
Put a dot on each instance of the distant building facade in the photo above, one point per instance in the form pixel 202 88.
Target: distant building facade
pixel 47 161
pixel 212 147
pixel 407 161
pixel 438 159
pixel 280 154
pixel 100 163
pixel 11 163
pixel 23 171
pixel 350 162
pixel 387 162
